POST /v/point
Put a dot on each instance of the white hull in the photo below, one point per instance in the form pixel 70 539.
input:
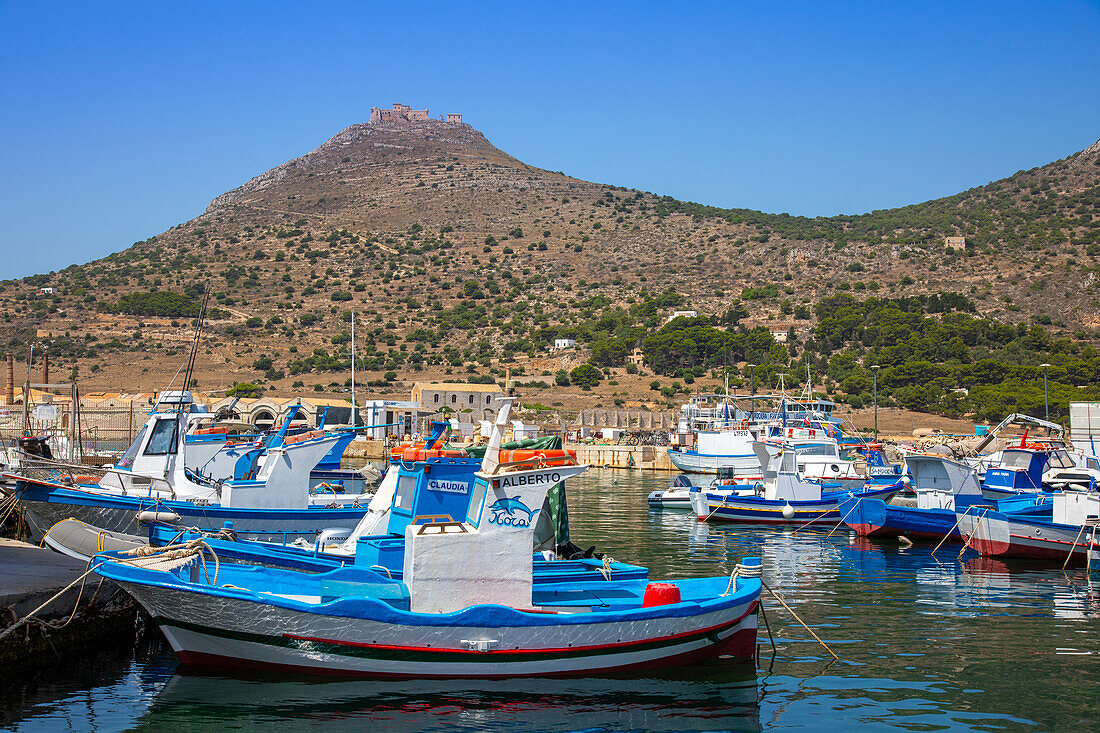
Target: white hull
pixel 704 463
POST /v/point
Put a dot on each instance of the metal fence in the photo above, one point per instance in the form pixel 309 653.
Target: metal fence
pixel 103 433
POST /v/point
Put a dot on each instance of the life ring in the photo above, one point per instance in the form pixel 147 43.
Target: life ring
pixel 541 458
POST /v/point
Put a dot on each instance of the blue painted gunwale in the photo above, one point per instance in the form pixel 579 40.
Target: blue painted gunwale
pixel 557 571
pixel 703 597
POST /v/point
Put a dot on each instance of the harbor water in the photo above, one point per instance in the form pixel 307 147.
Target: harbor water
pixel 925 644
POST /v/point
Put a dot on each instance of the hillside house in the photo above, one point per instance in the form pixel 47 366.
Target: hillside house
pixel 560 344
pixel 956 242
pixel 681 314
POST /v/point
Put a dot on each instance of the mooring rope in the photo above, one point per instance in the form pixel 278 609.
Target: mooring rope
pixel 742 571
pixel 724 498
pixel 844 519
pixel 958 518
pixel 1089 522
pixel 977 529
pixel 799 620
pixel 807 524
pixel 605 569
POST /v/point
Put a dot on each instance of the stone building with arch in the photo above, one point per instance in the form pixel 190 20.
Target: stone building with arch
pixel 470 403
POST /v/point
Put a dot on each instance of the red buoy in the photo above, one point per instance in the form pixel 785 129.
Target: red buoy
pixel 660 594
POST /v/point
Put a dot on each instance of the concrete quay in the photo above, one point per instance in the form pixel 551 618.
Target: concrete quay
pixel 645 457
pixel 29 576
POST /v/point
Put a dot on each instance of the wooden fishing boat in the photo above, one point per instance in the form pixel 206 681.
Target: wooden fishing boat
pixel 784 496
pixel 466 605
pixel 1067 535
pixel 941 486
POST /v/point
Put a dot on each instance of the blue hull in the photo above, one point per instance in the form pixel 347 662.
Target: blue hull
pixel 875 518
pixel 47 505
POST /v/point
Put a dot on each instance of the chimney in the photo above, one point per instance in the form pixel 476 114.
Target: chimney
pixel 9 387
pixel 46 368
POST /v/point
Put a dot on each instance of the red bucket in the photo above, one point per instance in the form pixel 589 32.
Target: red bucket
pixel 660 594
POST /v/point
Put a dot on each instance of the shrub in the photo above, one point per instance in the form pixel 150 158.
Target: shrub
pixel 586 376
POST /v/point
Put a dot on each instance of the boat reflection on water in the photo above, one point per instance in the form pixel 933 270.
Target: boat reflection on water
pixel 934 584
pixel 705 698
pixel 791 557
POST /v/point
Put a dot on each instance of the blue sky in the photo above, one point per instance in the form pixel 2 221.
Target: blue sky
pixel 119 120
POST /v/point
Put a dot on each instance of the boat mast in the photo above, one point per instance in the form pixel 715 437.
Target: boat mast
pixel 354 422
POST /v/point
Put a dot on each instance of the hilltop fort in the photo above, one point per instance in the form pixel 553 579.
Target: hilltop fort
pixel 404 113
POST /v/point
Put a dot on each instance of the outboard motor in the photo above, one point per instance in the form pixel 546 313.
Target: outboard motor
pixel 33 446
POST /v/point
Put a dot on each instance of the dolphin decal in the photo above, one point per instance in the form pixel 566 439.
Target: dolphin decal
pixel 504 511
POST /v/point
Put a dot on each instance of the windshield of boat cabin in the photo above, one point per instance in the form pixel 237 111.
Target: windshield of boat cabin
pixel 825 449
pixel 1060 459
pixel 127 460
pixel 1015 459
pixel 163 440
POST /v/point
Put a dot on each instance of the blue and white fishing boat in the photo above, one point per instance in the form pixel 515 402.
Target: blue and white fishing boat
pixel 441 490
pixel 879 468
pixel 1066 535
pixel 160 477
pixel 466 606
pixel 783 497
pixel 942 486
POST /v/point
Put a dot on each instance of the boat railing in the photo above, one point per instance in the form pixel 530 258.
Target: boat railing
pixel 52 471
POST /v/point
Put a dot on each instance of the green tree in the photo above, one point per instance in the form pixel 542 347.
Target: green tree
pixel 586 376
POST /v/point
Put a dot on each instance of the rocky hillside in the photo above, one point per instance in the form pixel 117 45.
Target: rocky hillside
pixel 459 258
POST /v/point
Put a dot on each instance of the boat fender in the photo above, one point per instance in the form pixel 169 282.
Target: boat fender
pixel 660 594
pixel 154 516
pixel 788 511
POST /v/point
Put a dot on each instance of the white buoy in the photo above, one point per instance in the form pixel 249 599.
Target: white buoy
pixel 788 511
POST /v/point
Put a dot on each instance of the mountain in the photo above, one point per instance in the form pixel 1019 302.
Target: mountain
pixel 457 256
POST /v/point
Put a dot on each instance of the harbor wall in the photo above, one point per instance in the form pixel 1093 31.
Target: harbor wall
pixel 654 458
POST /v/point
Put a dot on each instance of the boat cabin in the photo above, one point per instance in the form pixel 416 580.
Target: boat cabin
pixel 941 483
pixel 1020 469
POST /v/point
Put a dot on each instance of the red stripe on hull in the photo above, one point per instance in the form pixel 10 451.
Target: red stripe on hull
pixel 739 647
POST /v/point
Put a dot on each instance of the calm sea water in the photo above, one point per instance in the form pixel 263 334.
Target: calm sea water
pixel 925 644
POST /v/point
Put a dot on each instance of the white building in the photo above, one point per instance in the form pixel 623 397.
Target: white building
pixel 681 314
pixel 564 344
